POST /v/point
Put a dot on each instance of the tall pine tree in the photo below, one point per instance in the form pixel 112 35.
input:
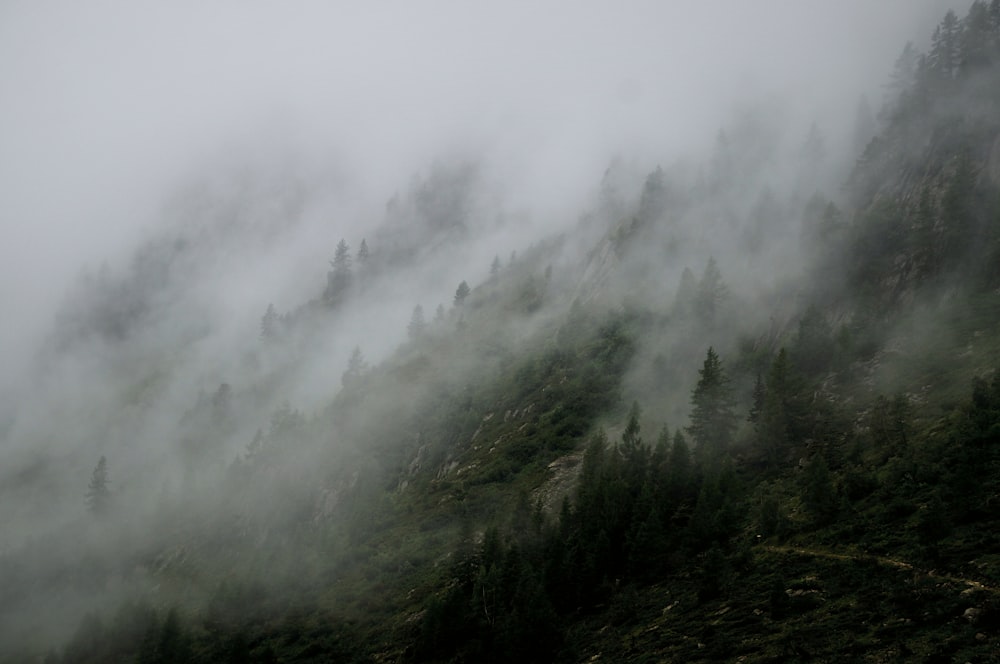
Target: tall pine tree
pixel 713 421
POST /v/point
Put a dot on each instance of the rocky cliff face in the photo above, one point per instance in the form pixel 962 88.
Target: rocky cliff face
pixel 925 201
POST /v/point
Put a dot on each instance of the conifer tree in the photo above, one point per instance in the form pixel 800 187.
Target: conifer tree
pixel 356 366
pixel 945 45
pixel 711 292
pixel 818 495
pixel 630 437
pixel 417 325
pixel 339 278
pixel 772 425
pixel 899 89
pixel 678 468
pixel 712 419
pixel 756 400
pixel 687 293
pixel 98 491
pixel 636 456
pixel 652 203
pixel 269 323
pixel 461 293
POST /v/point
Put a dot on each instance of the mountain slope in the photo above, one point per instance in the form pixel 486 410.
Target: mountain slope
pixel 670 451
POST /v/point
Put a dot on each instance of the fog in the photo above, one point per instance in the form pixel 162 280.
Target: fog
pixel 107 105
pixel 183 166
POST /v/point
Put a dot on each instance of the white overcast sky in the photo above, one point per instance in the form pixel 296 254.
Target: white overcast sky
pixel 104 104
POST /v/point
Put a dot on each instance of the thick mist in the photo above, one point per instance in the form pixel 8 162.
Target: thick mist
pixel 170 172
pixel 107 106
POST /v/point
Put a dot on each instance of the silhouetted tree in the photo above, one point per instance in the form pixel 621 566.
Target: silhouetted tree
pixel 756 400
pixel 818 495
pixel 339 278
pixel 269 323
pixel 712 419
pixel 687 293
pixel 98 491
pixel 461 293
pixel 679 472
pixel 945 47
pixel 356 366
pixel 417 325
pixel 653 201
pixel 711 292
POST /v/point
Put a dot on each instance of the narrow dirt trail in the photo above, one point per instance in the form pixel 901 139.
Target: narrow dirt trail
pixel 881 560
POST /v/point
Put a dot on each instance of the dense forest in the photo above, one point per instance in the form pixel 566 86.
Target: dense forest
pixel 732 414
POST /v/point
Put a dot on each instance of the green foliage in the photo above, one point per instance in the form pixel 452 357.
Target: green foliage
pixel 650 555
pixel 818 494
pixel 712 419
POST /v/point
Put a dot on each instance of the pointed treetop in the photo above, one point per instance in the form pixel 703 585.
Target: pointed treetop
pixel 712 420
pixel 461 293
pixel 98 492
pixel 417 325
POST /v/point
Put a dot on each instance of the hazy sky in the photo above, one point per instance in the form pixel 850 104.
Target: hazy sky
pixel 104 105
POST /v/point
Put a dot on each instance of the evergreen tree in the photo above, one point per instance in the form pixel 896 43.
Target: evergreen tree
pixel 814 345
pixel 495 266
pixel 687 293
pixel 711 292
pixel 631 440
pixel 712 419
pixel 773 423
pixel 975 41
pixel 653 201
pixel 363 252
pixel 98 491
pixel 439 314
pixel 635 453
pixel 356 366
pixel 417 325
pixel 957 212
pixel 901 82
pixel 756 400
pixel 818 495
pixel 339 278
pixel 269 323
pixel 461 293
pixel 679 473
pixel 945 47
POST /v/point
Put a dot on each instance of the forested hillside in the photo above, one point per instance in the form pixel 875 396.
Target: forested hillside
pixel 745 409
